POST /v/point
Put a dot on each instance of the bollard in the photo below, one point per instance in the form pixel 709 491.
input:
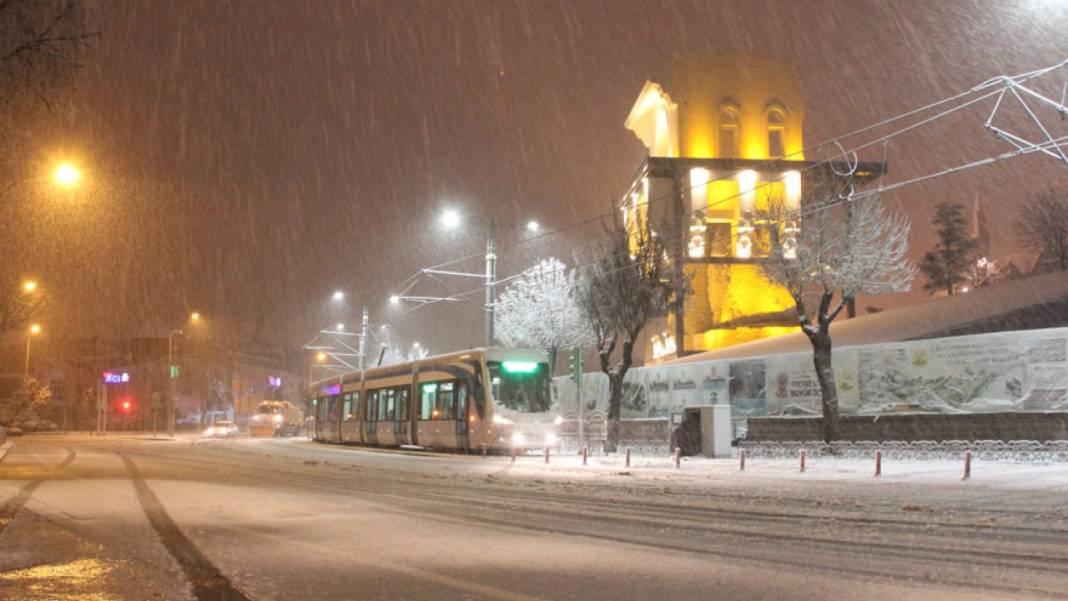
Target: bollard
pixel 546 454
pixel 484 451
pixel 878 463
pixel 515 452
pixel 678 457
pixel 585 454
pixel 741 460
pixel 628 457
pixel 802 456
pixel 967 465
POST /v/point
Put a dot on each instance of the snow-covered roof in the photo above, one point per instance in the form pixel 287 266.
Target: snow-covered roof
pixel 1026 303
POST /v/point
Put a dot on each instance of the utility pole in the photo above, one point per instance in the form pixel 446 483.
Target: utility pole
pixel 576 375
pixel 491 276
pixel 364 333
pixel 172 376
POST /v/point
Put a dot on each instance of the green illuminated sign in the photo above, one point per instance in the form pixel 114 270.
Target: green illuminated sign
pixel 432 387
pixel 520 367
pixel 174 372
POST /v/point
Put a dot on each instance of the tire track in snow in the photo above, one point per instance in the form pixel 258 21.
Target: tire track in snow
pixel 208 582
pixel 16 503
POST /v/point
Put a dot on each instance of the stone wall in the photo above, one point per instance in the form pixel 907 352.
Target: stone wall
pixel 918 426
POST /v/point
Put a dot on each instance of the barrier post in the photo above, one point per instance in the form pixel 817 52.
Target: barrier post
pixel 967 465
pixel 628 458
pixel 802 457
pixel 546 453
pixel 741 460
pixel 678 457
pixel 878 463
pixel 515 452
pixel 585 454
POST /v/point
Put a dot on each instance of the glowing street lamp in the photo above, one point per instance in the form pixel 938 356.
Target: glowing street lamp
pixel 194 317
pixel 340 327
pixel 66 175
pixel 450 219
pixel 533 227
pixel 338 296
pixel 29 286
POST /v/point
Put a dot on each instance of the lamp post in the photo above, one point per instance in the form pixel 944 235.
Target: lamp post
pixel 34 330
pixel 451 219
pixel 172 375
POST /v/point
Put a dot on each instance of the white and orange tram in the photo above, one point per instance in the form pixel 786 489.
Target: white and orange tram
pixel 495 399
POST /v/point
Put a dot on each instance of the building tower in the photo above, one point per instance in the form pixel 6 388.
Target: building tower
pixel 724 136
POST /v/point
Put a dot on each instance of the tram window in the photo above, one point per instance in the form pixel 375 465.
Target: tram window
pixel 403 402
pixel 428 393
pixel 346 410
pixel 385 404
pixel 461 400
pixel 372 405
pixel 445 407
pixel 519 385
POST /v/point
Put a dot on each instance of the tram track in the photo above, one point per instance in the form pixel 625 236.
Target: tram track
pixel 433 499
pixel 15 504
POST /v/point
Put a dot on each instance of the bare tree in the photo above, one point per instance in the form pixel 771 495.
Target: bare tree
pixel 540 309
pixel 40 47
pixel 631 281
pixel 825 254
pixel 1042 227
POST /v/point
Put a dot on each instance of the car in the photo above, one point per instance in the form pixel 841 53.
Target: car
pixel 221 429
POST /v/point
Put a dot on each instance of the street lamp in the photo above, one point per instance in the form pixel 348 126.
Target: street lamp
pixel 66 175
pixel 533 227
pixel 450 219
pixel 34 330
pixel 340 327
pixel 338 296
pixel 194 318
pixel 29 286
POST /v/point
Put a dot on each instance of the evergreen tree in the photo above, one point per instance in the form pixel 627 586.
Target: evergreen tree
pixel 949 263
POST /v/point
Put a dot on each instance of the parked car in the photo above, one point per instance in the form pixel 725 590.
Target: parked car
pixel 221 429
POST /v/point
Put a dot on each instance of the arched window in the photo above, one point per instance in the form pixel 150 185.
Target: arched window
pixel 776 123
pixel 728 132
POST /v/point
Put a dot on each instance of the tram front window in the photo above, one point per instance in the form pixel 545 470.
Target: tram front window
pixel 520 385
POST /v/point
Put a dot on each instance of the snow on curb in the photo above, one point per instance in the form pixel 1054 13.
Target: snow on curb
pixel 4 448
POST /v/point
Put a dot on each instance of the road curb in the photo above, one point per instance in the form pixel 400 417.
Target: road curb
pixel 4 448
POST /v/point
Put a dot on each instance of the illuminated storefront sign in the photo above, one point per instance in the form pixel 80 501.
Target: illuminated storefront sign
pixel 116 377
pixel 274 381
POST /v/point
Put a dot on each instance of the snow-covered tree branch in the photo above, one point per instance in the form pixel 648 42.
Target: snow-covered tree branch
pixel 824 254
pixel 540 310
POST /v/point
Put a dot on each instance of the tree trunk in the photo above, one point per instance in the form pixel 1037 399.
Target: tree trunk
pixel 821 358
pixel 615 403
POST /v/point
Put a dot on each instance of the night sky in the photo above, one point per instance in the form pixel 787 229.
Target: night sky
pixel 248 158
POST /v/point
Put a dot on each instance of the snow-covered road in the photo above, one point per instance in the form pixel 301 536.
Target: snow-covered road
pixel 132 518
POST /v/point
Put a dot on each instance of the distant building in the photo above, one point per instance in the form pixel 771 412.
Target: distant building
pixel 724 136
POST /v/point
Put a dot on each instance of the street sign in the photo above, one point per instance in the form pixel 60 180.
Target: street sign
pixel 116 377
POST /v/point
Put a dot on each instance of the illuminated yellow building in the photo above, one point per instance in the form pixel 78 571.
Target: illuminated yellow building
pixel 724 135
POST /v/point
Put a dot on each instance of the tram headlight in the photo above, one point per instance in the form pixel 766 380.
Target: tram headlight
pixel 257 418
pixel 518 439
pixel 278 419
pixel 550 439
pixel 209 431
pixel 502 421
pixel 559 420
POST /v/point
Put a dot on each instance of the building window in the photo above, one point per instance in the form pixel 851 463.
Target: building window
pixel 776 123
pixel 719 239
pixel 728 132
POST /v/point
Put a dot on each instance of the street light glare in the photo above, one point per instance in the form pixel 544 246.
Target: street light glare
pixel 339 296
pixel 320 357
pixel 194 317
pixel 67 175
pixel 393 300
pixel 341 327
pixel 450 218
pixel 29 286
pixel 35 328
pixel 533 227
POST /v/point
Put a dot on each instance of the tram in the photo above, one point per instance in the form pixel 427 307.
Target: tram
pixel 490 399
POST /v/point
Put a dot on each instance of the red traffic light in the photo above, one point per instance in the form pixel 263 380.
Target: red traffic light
pixel 126 406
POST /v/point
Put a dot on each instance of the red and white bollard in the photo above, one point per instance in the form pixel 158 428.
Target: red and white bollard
pixel 628 458
pixel 515 452
pixel 878 463
pixel 678 457
pixel 585 454
pixel 484 452
pixel 802 457
pixel 546 454
pixel 967 465
pixel 741 460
